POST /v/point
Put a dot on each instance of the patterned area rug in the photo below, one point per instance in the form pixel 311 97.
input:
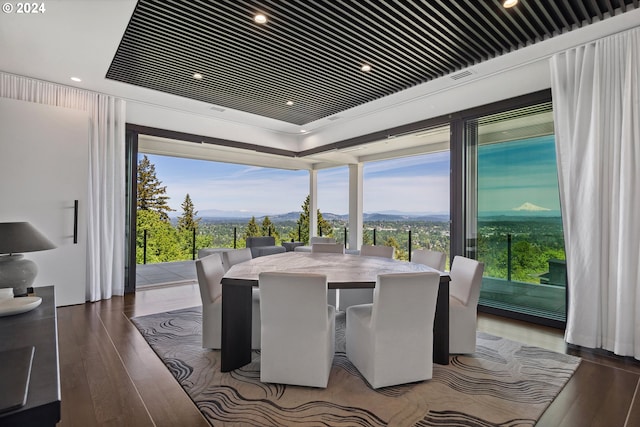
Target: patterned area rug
pixel 504 384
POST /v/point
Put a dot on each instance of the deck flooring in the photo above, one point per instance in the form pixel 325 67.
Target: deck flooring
pixel 165 273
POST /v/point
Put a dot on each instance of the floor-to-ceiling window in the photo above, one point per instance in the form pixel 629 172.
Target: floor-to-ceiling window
pixel 185 205
pixel 406 199
pixel 513 221
pixel 508 146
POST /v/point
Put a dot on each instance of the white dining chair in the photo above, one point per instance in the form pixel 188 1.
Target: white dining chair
pixel 298 329
pixel 391 340
pixel 235 256
pixel 464 293
pixel 209 272
pixel 312 240
pixel 317 239
pixel 377 250
pixel 433 259
pixel 327 248
pixel 349 297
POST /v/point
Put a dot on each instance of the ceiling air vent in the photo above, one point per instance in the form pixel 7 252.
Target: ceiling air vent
pixel 461 75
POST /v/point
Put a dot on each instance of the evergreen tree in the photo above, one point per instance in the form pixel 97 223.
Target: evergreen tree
pixel 324 227
pixel 400 253
pixel 161 239
pixel 187 223
pixel 188 220
pixel 367 236
pixel 252 229
pixel 269 229
pixel 303 223
pixel 151 194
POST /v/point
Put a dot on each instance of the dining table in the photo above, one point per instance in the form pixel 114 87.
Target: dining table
pixel 343 271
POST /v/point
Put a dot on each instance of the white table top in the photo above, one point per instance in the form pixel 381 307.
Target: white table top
pixel 341 270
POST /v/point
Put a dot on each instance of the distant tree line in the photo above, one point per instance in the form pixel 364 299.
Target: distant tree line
pixel 301 233
pixel 165 242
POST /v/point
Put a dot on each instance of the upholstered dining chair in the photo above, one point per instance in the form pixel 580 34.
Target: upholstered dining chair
pixel 333 248
pixel 464 292
pixel 298 329
pixel 317 239
pixel 312 240
pixel 391 340
pixel 433 259
pixel 349 297
pixel 209 271
pixel 235 256
pixel 231 258
pixel 377 250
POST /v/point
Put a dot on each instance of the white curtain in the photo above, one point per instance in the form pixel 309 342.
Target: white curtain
pixel 596 102
pixel 106 194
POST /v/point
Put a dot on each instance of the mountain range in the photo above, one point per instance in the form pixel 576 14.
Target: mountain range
pixel 214 215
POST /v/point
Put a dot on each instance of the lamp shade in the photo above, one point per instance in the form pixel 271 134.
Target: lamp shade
pixel 18 237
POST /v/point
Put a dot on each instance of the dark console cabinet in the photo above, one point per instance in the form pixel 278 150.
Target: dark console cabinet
pixel 37 328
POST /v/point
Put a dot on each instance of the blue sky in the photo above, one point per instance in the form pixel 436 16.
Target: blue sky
pixel 517 172
pixel 412 184
pixel 509 174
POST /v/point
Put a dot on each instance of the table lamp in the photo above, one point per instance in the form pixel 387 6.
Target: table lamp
pixel 15 271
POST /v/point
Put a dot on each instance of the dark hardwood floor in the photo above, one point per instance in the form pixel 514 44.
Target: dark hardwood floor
pixel 111 377
pixel 602 392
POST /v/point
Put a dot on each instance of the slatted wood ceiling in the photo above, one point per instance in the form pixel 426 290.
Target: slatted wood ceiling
pixel 310 51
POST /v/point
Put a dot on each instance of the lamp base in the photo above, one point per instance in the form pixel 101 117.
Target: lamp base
pixel 17 272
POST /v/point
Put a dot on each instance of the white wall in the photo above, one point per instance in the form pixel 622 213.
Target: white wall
pixel 43 169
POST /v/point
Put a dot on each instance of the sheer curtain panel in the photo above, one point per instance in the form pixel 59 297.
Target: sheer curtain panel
pixel 596 103
pixel 106 194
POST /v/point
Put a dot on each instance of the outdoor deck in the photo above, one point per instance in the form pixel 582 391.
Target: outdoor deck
pixel 165 273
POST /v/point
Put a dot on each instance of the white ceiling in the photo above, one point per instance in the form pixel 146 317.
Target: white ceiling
pixel 79 38
pixel 422 142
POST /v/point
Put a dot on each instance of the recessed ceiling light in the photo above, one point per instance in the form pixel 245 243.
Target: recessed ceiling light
pixel 509 3
pixel 260 18
pixel 197 76
pixel 366 68
pixel 303 130
pixel 76 79
pixel 289 102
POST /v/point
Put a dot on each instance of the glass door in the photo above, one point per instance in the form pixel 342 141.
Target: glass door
pixel 514 224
